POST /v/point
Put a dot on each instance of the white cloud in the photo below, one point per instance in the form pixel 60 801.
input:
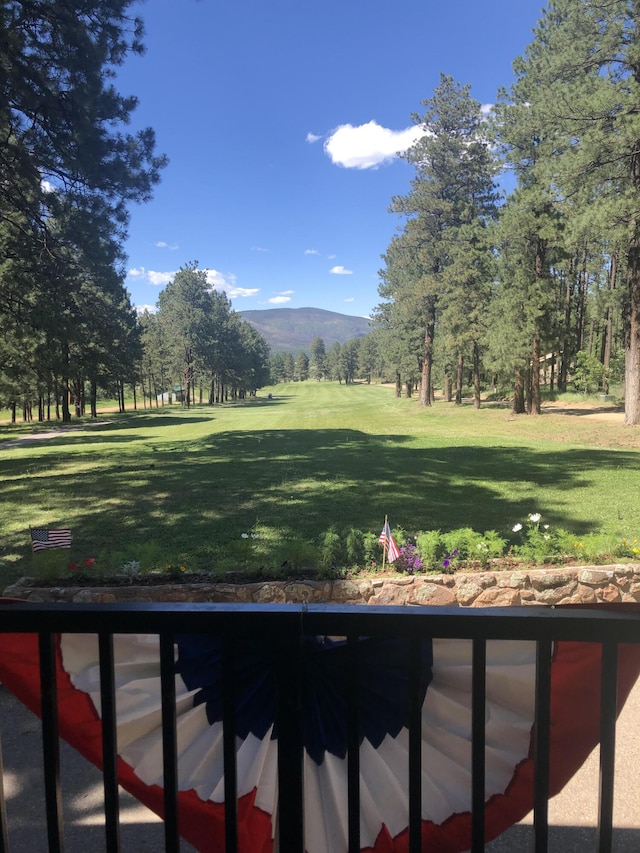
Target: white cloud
pixel 227 282
pixel 215 279
pixel 348 299
pixel 158 279
pixel 152 309
pixel 486 109
pixel 47 186
pixel 287 292
pixel 241 292
pixel 258 249
pixel 311 252
pixel 312 137
pixel 162 245
pixel 340 270
pixel 279 300
pixel 369 145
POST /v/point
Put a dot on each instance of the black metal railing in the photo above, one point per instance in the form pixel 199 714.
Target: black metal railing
pixel 284 625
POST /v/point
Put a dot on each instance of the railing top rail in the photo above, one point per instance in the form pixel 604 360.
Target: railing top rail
pixel 607 623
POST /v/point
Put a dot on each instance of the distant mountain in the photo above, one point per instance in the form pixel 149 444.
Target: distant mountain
pixel 293 329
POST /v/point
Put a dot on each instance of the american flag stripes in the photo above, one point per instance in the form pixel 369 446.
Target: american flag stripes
pixel 42 538
pixel 389 543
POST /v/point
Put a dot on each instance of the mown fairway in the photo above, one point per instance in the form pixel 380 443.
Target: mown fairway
pixel 183 486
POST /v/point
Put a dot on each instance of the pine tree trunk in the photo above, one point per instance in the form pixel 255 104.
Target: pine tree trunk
pixel 476 375
pixel 608 329
pixel 424 396
pixel 518 393
pixel 66 414
pixel 459 375
pixel 535 376
pixel 632 350
pixel 566 347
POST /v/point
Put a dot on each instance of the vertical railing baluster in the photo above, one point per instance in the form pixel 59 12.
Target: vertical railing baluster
pixel 353 743
pixel 169 743
pixel 608 712
pixel 541 746
pixel 229 745
pixel 109 742
pixel 4 836
pixel 478 737
pixel 290 819
pixel 50 743
pixel 415 744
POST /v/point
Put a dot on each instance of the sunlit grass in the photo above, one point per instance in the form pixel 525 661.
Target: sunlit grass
pixel 188 483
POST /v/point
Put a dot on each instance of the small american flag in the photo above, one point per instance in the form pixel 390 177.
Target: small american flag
pixel 42 538
pixel 389 543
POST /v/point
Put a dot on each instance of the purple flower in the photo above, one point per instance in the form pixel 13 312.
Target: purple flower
pixel 409 559
pixel 446 562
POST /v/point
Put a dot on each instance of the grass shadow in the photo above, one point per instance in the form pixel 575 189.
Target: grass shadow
pixel 301 482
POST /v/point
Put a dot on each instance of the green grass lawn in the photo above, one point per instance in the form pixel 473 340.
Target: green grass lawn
pixel 180 487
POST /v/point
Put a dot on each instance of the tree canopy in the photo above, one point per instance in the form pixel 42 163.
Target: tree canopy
pixel 68 170
pixel 522 285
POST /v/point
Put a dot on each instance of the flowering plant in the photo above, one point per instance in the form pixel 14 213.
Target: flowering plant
pixel 409 559
pixel 85 564
pixel 538 541
pixel 446 563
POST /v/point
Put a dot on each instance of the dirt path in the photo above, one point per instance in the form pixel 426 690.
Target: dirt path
pixel 50 433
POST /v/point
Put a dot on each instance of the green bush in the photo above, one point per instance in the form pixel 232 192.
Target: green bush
pixel 51 563
pixel 371 548
pixel 588 374
pixel 331 549
pixel 353 546
pixel 430 547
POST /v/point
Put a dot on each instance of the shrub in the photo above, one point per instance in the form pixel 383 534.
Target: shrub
pixel 430 547
pixel 331 549
pixel 588 374
pixel 353 546
pixel 371 548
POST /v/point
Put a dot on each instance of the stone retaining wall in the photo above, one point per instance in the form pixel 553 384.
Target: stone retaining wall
pixel 574 585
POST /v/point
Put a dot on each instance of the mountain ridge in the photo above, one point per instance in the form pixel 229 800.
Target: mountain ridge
pixel 293 329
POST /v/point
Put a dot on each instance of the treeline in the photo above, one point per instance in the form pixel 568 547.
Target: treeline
pixel 68 172
pixel 533 287
pixel 357 358
pixel 196 338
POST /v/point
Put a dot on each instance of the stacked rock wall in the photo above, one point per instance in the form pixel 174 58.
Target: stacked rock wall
pixel 575 585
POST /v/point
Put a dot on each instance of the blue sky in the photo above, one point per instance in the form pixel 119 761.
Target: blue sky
pixel 280 119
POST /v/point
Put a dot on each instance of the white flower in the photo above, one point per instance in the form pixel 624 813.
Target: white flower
pixel 255 536
pixel 545 526
pixel 516 527
pixel 535 517
pixel 546 536
pixel 245 535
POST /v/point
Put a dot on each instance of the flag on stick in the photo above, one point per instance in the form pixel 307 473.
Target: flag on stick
pixel 42 538
pixel 388 542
